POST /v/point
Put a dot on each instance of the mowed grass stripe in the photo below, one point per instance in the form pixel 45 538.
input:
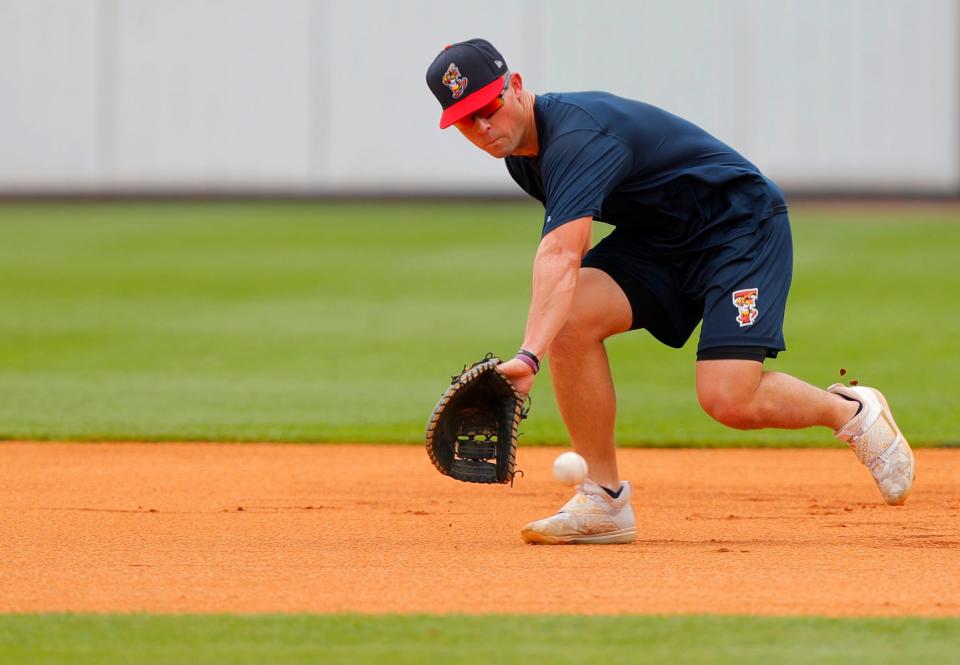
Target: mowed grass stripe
pixel 693 640
pixel 342 322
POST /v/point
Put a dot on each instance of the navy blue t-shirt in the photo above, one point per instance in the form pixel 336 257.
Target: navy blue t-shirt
pixel 634 165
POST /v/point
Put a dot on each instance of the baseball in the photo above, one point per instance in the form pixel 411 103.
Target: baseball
pixel 570 468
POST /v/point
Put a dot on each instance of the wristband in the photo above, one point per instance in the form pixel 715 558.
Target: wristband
pixel 527 361
pixel 529 358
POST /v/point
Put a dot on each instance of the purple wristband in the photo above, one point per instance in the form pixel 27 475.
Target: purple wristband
pixel 528 361
pixel 532 356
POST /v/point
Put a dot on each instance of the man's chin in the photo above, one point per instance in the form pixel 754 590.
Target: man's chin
pixel 497 149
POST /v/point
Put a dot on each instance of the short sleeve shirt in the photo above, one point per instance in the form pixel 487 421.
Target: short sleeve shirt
pixel 637 166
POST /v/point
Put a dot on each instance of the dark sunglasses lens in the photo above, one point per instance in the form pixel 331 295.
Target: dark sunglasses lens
pixel 491 108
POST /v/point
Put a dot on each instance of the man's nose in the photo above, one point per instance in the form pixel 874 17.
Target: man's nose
pixel 482 125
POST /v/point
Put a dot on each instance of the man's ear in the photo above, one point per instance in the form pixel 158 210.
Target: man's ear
pixel 516 82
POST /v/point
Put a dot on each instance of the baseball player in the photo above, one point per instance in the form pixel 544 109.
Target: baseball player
pixel 699 234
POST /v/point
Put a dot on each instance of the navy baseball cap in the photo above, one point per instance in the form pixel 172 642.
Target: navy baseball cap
pixel 465 77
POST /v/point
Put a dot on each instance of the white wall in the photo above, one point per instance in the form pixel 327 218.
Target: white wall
pixel 48 94
pixel 322 96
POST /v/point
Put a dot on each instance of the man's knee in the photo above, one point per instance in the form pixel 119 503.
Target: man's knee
pixel 729 412
pixel 733 409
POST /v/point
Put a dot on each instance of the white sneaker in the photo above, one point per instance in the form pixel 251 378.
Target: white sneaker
pixel 878 443
pixel 591 516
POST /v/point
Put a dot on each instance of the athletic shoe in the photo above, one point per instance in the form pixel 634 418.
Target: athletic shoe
pixel 877 442
pixel 591 516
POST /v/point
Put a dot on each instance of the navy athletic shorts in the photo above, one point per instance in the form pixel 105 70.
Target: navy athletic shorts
pixel 739 289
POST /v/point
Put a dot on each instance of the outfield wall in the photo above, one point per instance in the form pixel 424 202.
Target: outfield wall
pixel 314 96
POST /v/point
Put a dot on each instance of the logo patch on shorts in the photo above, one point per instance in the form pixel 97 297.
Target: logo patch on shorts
pixel 453 80
pixel 745 300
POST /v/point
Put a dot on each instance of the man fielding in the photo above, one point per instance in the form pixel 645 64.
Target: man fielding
pixel 700 234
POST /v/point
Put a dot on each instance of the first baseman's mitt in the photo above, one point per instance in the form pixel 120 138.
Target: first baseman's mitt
pixel 472 432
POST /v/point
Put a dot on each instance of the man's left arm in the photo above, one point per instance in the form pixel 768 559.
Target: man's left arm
pixel 555 271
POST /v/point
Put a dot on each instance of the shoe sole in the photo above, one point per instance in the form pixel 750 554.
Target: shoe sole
pixel 619 537
pixel 888 414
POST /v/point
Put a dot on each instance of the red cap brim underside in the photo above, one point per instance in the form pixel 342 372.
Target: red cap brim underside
pixel 471 103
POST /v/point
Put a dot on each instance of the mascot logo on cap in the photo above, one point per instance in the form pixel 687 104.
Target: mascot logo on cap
pixel 745 301
pixel 454 81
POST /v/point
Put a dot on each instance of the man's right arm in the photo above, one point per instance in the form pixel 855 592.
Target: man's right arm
pixel 555 272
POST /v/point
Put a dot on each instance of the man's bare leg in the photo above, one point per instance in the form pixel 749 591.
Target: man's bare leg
pixel 739 394
pixel 581 371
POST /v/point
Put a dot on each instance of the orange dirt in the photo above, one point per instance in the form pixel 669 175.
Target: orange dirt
pixel 292 528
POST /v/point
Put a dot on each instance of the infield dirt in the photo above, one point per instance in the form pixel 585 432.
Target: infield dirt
pixel 340 528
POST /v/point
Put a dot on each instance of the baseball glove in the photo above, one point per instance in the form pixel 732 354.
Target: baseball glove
pixel 472 432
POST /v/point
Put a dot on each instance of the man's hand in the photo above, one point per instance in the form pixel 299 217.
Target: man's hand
pixel 519 373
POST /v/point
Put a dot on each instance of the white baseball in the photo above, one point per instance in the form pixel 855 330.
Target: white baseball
pixel 570 468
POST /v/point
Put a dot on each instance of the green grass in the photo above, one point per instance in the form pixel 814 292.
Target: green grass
pixel 422 640
pixel 317 322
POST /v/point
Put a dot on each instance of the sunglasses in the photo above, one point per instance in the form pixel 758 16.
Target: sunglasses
pixel 486 112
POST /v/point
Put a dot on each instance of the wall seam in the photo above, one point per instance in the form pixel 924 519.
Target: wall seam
pixel 318 123
pixel 956 92
pixel 106 55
